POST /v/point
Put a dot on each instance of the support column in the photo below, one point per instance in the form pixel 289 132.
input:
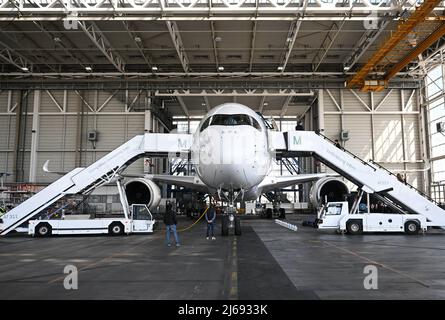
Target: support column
pixel 148 121
pixel 372 126
pixel 79 126
pixel 148 127
pixel 320 109
pixel 34 137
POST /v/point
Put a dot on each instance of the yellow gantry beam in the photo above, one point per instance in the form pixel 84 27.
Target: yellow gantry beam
pixel 403 29
pixel 425 44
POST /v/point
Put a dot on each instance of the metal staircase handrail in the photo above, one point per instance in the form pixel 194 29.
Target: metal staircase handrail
pixel 381 167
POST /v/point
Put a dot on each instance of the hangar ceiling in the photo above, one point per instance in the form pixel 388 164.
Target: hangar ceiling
pixel 200 45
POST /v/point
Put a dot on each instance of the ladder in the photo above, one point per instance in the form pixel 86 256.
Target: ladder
pixel 368 176
pixel 104 170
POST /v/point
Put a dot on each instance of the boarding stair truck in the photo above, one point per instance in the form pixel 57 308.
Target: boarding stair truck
pixel 369 177
pixel 85 180
pixel 137 218
pixel 337 216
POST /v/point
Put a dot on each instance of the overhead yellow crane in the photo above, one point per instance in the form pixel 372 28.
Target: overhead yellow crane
pixel 403 29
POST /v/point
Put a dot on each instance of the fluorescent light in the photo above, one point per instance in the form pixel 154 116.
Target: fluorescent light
pixel 280 68
pixel 218 39
pixel 137 39
pixel 24 69
pixel 88 69
pixel 220 68
pixel 57 39
pixel 154 68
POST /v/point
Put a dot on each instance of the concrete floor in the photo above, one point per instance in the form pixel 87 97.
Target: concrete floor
pixel 267 262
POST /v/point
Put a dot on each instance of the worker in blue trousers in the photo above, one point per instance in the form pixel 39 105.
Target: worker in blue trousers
pixel 210 217
pixel 170 224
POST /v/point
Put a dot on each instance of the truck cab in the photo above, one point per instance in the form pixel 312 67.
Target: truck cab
pixel 336 216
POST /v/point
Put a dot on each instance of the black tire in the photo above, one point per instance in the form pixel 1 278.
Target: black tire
pixel 263 214
pixel 282 213
pixel 269 213
pixel 116 229
pixel 43 230
pixel 354 227
pixel 225 226
pixel 237 226
pixel 412 227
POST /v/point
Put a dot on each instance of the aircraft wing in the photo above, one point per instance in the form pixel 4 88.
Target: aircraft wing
pixel 277 182
pixel 192 182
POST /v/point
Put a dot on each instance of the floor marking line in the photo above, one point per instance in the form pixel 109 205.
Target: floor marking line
pixel 233 295
pixel 379 264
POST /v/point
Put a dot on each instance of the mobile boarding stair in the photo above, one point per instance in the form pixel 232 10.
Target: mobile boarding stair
pixel 85 180
pixel 368 176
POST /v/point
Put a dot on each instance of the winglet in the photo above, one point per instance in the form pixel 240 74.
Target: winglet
pixel 45 168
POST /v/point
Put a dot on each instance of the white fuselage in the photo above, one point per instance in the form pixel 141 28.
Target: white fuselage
pixel 230 149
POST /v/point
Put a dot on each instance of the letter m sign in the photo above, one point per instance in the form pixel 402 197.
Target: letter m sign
pixel 296 140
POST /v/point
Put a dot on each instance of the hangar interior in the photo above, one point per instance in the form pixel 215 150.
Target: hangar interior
pixel 79 78
pixel 117 77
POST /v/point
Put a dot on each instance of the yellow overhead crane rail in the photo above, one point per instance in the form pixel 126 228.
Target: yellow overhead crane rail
pixel 403 29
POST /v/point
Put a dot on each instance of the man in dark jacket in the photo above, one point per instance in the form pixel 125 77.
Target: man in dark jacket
pixel 170 223
pixel 210 217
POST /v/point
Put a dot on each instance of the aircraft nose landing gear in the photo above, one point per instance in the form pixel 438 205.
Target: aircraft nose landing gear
pixel 230 220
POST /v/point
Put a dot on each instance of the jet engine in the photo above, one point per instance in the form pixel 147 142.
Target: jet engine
pixel 330 188
pixel 142 191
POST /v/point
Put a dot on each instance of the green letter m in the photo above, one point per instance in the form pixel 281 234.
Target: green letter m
pixel 297 140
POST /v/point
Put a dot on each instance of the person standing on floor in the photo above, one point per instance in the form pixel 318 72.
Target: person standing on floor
pixel 170 224
pixel 210 217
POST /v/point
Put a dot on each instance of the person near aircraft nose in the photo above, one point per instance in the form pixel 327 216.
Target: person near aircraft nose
pixel 210 217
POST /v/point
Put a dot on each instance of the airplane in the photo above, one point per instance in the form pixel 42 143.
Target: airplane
pixel 232 161
pixel 232 152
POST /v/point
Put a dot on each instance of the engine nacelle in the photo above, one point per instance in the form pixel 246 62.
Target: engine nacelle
pixel 332 188
pixel 142 191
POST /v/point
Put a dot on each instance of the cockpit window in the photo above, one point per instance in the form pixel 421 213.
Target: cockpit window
pixel 234 120
pixel 205 124
pixel 256 124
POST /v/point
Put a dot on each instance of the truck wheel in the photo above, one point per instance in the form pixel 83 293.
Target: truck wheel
pixel 237 226
pixel 354 227
pixel 43 230
pixel 282 213
pixel 269 213
pixel 116 229
pixel 412 227
pixel 276 214
pixel 225 226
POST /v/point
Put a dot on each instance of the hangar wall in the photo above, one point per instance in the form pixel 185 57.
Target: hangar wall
pixel 385 126
pixel 61 124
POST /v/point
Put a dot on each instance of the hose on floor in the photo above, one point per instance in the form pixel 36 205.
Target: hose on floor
pixel 189 227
